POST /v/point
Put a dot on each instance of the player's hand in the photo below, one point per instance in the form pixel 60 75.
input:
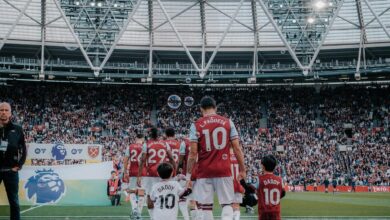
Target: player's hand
pixel 15 169
pixel 241 175
pixel 189 184
pixel 125 177
pixel 139 181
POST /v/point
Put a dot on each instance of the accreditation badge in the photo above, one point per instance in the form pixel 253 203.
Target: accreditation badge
pixel 3 145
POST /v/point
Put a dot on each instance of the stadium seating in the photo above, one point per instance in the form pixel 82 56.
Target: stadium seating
pixel 304 127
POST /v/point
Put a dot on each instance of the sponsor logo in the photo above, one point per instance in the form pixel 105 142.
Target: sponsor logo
pixel 224 156
pixel 93 151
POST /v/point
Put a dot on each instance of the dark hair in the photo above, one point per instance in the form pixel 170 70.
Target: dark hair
pixel 165 170
pixel 153 133
pixel 140 135
pixel 207 102
pixel 269 162
pixel 170 132
pixel 113 171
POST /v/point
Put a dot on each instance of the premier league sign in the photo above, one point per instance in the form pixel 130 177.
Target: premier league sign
pixel 90 152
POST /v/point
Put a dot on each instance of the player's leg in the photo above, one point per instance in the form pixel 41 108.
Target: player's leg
pixel 183 203
pixel 125 191
pixel 141 200
pixel 224 188
pixel 193 204
pixel 183 206
pixel 193 209
pixel 133 195
pixel 236 211
pixel 204 192
pixel 236 206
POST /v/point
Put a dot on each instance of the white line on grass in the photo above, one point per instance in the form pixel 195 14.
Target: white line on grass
pixel 64 216
pixel 32 208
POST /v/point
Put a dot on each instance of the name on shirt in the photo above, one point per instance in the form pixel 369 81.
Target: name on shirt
pixel 154 142
pixel 271 181
pixel 213 120
pixel 165 187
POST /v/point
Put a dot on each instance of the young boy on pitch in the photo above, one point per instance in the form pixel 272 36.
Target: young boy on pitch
pixel 270 190
pixel 165 195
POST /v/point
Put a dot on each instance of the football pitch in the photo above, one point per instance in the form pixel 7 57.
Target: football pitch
pixel 306 205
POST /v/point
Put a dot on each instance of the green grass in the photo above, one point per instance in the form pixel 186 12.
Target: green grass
pixel 294 204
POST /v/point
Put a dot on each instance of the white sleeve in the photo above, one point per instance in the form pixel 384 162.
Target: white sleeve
pixel 144 148
pixel 182 148
pixel 153 193
pixel 127 153
pixel 233 131
pixel 180 189
pixel 193 136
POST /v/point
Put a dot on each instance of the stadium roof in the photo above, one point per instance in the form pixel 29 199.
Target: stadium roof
pixel 293 32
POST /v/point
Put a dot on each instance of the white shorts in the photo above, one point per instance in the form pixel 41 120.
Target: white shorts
pixel 148 182
pixel 237 198
pixel 204 190
pixel 125 186
pixel 133 182
pixel 191 197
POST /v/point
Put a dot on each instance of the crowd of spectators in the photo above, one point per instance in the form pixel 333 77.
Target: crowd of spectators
pixel 304 127
pixel 80 114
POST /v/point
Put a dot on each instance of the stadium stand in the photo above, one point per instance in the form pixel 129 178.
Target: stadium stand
pixel 305 126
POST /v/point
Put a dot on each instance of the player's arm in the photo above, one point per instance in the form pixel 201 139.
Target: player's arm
pixel 141 164
pixel 283 191
pixel 193 155
pixel 151 199
pixel 170 157
pixel 237 151
pixel 126 162
pixel 183 192
pixel 248 187
pixel 182 155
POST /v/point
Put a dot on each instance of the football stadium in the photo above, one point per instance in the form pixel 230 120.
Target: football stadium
pixel 194 109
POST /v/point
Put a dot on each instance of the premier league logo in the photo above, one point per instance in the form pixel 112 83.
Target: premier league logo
pixel 58 152
pixel 46 185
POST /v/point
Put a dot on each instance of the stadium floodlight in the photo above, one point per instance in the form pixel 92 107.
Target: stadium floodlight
pixel 115 5
pixel 320 4
pixel 99 4
pixel 77 3
pixel 311 20
pixel 96 73
pixel 252 80
pixel 357 76
pixel 92 4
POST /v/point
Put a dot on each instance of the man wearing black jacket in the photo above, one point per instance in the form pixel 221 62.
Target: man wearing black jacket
pixel 12 157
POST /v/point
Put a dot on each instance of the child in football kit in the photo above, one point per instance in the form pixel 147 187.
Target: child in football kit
pixel 270 190
pixel 165 195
